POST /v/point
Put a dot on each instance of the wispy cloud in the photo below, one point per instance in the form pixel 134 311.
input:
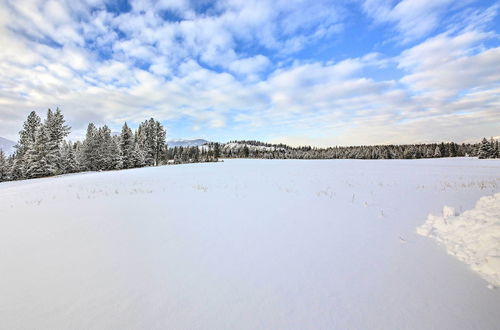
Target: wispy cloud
pixel 413 19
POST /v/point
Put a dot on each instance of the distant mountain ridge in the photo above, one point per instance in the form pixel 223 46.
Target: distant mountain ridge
pixel 7 146
pixel 186 143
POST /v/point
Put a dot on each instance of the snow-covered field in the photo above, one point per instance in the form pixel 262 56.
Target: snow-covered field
pixel 243 244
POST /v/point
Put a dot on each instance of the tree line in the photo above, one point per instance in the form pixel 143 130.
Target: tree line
pixel 257 149
pixel 42 149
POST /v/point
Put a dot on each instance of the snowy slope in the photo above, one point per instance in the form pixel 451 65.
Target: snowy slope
pixel 7 146
pixel 186 143
pixel 243 244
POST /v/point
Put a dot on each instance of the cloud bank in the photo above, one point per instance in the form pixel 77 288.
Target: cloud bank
pixel 284 71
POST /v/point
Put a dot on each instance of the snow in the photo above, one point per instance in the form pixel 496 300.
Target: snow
pixel 473 236
pixel 243 244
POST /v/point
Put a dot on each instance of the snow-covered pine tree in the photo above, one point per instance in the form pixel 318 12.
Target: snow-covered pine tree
pixel 494 148
pixel 184 151
pixel 410 153
pixel 78 149
pixel 57 131
pixel 114 151
pixel 194 154
pixel 138 158
pixel 443 150
pixel 3 167
pixel 159 136
pixel 429 153
pixel 437 152
pixel 245 151
pixel 216 150
pixel 26 138
pixel 90 149
pixel 15 168
pixel 104 157
pixel 126 147
pixel 452 149
pixel 151 137
pixel 38 158
pixel 141 142
pixel 27 134
pixel 485 149
pixel 68 162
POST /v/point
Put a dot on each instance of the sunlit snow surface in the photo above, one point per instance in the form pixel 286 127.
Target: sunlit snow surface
pixel 243 244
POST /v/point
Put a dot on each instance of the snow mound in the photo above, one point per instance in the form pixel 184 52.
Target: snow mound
pixel 473 236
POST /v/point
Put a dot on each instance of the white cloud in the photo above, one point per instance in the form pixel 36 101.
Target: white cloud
pixel 217 123
pixel 445 65
pixel 414 19
pixel 198 70
pixel 250 66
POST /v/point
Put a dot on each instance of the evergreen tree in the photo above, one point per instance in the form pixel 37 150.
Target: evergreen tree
pixel 55 125
pixel 3 167
pixel 90 149
pixel 494 148
pixel 78 149
pixel 410 153
pixel 429 153
pixel 138 157
pixel 57 131
pixel 114 151
pixel 126 147
pixel 15 171
pixel 442 149
pixel 39 161
pixel 151 139
pixel 104 153
pixel 142 143
pixel 485 149
pixel 452 150
pixel 159 137
pixel 68 158
pixel 28 133
pixel 437 152
pixel 216 150
pixel 27 137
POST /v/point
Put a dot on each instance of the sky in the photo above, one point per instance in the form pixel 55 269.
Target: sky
pixel 319 73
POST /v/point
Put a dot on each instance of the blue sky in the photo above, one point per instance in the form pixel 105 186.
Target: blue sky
pixel 299 72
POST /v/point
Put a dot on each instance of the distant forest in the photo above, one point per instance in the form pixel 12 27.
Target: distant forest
pixel 42 149
pixel 256 149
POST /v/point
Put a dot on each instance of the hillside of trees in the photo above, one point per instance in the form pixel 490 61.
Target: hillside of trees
pixel 42 149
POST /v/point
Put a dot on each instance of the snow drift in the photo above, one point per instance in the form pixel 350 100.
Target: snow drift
pixel 473 236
